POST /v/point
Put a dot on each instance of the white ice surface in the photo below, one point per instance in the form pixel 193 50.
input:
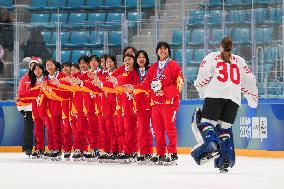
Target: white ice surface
pixel 19 172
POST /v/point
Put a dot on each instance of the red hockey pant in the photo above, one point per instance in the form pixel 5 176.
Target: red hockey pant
pixel 39 133
pixel 145 139
pixel 102 125
pixel 164 121
pixel 93 134
pixel 50 139
pixel 67 135
pixel 120 132
pixel 81 130
pixel 56 123
pixel 130 134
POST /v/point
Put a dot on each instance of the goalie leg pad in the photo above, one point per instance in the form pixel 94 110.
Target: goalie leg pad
pixel 227 153
pixel 209 148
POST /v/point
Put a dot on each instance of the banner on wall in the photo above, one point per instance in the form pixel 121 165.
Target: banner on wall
pixel 256 129
pixel 261 128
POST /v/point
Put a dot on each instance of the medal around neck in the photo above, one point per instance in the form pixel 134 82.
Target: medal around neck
pixel 156 85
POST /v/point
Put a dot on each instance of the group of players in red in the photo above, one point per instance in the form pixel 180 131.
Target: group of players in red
pixel 105 112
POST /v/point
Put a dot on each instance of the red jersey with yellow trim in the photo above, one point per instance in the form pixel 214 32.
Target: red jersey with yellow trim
pixel 127 77
pixel 171 79
pixel 54 106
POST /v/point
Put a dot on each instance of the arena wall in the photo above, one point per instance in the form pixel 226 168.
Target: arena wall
pixel 257 132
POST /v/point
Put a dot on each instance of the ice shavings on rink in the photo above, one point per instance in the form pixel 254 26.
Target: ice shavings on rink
pixel 19 172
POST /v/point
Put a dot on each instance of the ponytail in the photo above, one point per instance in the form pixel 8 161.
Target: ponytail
pixel 227 44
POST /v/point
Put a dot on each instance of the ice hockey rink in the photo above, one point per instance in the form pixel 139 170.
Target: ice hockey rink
pixel 19 172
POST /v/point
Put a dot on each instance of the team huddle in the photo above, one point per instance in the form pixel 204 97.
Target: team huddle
pixel 103 112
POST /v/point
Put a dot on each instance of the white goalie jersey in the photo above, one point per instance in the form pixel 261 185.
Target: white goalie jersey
pixel 217 79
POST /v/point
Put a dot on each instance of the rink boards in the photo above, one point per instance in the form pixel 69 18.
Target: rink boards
pixel 257 132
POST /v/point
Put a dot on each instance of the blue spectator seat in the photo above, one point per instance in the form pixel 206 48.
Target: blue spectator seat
pixel 239 17
pixel 76 54
pixel 96 18
pixel 65 55
pixel 98 53
pixel 148 4
pixel 263 35
pixel 7 4
pixel 215 37
pixel 261 15
pixel 178 56
pixel 79 38
pixel 246 2
pixel 196 18
pixel 61 16
pixel 271 54
pixel 132 18
pixel 64 39
pixel 38 5
pixel 275 16
pixel 56 4
pixel 265 2
pixel 215 17
pixel 76 20
pixel 96 39
pixel 215 3
pixel 94 4
pixel 46 36
pixel 191 73
pixel 131 4
pixel 241 35
pixel 114 19
pixel 74 5
pixel 177 37
pixel 112 4
pixel 234 3
pixel 268 68
pixel 198 55
pixel 197 37
pixel 114 39
pixel 77 17
pixel 40 18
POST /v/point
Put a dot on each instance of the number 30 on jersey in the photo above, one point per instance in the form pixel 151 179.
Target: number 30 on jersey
pixel 228 70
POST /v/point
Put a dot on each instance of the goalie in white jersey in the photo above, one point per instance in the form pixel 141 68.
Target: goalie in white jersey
pixel 221 80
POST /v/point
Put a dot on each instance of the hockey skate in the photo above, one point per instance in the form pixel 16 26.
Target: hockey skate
pixel 46 155
pixel 114 157
pixel 103 157
pixel 95 154
pixel 134 156
pixel 55 155
pixel 125 158
pixel 87 156
pixel 158 160
pixel 28 152
pixel 38 154
pixel 67 156
pixel 77 156
pixel 171 159
pixel 144 159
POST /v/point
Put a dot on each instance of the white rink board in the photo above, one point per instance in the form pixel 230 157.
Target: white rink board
pixel 19 172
